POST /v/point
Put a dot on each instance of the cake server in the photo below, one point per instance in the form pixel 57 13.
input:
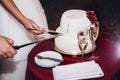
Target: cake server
pixel 17 47
pixel 49 58
pixel 52 32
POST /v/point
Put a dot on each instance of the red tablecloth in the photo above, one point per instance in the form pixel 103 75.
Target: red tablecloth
pixel 109 60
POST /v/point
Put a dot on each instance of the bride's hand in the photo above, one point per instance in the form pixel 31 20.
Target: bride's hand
pixel 31 26
pixel 6 48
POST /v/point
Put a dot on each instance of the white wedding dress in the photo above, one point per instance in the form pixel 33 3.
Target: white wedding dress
pixel 14 68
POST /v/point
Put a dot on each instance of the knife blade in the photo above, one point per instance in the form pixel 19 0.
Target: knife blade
pixel 17 47
pixel 52 32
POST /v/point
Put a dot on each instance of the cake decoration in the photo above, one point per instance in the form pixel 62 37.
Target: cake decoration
pixel 92 17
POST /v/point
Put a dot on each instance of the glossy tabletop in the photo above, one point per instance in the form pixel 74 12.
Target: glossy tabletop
pixel 108 53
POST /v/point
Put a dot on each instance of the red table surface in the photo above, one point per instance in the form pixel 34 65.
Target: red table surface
pixel 109 61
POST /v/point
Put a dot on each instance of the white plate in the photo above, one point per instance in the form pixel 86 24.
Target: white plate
pixel 47 62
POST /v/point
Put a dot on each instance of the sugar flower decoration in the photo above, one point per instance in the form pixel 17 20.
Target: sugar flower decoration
pixel 92 17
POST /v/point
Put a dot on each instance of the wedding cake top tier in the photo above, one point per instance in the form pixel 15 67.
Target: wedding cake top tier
pixel 72 22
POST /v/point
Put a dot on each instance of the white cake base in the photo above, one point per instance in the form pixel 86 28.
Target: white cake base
pixel 73 22
pixel 68 45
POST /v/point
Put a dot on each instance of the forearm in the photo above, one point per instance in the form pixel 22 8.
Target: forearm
pixel 6 49
pixel 12 8
pixel 27 23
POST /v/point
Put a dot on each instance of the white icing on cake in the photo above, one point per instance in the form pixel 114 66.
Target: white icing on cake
pixel 72 22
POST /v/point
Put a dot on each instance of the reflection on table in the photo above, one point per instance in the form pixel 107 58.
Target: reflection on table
pixel 109 61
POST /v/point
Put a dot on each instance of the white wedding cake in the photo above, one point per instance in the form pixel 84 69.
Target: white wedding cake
pixel 72 22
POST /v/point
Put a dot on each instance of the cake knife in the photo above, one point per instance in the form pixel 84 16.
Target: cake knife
pixel 56 34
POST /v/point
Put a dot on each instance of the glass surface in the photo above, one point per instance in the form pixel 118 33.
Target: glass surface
pixel 93 33
pixel 82 41
pixel 82 44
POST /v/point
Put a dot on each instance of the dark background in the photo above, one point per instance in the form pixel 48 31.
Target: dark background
pixel 107 11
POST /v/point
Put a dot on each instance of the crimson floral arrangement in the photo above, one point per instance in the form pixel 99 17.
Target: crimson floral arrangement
pixel 92 17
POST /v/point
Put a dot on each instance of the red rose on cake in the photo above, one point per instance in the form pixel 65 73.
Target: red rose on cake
pixel 92 17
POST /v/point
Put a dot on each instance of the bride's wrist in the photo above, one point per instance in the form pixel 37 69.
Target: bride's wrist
pixel 24 21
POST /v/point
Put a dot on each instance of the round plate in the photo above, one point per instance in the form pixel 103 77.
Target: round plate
pixel 47 62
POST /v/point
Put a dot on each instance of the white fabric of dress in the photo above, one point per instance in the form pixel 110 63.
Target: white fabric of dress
pixel 14 68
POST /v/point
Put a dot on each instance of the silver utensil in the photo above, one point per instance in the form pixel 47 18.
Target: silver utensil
pixel 52 32
pixel 49 58
pixel 21 46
